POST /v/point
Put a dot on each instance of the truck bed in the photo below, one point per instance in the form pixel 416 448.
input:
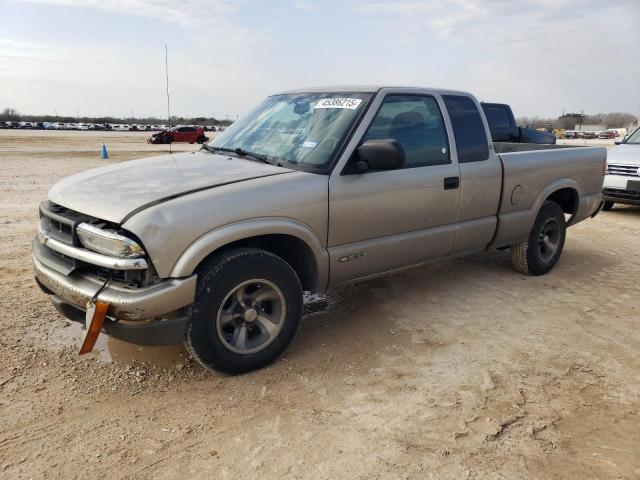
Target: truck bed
pixel 532 172
pixel 507 147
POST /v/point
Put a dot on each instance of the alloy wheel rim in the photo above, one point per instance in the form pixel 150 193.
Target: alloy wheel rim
pixel 251 316
pixel 549 239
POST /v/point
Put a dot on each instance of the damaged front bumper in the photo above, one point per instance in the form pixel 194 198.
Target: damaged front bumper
pixel 143 315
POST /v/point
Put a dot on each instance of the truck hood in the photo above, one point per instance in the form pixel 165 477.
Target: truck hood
pixel 625 154
pixel 116 192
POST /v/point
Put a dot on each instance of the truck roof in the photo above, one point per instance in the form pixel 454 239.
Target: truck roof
pixel 368 89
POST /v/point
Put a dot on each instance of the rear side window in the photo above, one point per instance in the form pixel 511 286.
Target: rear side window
pixel 471 138
pixel 498 117
pixel 416 122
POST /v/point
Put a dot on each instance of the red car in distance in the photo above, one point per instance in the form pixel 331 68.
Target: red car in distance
pixel 180 133
pixel 608 134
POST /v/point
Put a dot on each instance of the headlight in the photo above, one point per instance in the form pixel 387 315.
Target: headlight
pixel 108 242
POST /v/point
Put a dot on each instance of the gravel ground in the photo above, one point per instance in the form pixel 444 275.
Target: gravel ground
pixel 461 369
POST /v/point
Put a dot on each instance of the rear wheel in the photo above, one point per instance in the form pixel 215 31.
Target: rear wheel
pixel 247 310
pixel 201 139
pixel 541 251
pixel 608 205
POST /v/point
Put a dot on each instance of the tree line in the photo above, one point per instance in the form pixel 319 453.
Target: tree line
pixel 12 115
pixel 569 121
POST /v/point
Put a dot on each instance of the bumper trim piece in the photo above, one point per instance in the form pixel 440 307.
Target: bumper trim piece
pixel 154 301
pixel 88 256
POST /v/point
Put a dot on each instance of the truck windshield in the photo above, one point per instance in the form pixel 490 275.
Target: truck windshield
pixel 634 138
pixel 302 130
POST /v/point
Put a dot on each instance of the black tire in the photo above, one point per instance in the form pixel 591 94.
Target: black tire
pixel 218 279
pixel 608 205
pixel 167 139
pixel 201 139
pixel 534 256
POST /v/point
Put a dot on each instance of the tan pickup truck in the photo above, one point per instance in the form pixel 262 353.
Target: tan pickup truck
pixel 311 189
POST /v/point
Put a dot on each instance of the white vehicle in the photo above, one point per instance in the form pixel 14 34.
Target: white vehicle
pixel 83 126
pixel 622 182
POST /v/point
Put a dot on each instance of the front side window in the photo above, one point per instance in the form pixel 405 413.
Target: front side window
pixel 471 137
pixel 297 130
pixel 416 122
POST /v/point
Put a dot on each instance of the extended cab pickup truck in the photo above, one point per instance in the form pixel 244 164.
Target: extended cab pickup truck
pixel 311 189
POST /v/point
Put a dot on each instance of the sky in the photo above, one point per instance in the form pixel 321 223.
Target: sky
pixel 106 57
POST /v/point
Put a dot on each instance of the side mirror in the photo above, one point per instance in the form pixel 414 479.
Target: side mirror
pixel 380 155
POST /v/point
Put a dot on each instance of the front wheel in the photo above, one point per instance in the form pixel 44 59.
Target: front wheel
pixel 608 205
pixel 247 310
pixel 167 139
pixel 541 251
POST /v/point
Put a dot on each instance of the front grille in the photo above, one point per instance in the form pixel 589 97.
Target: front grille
pixel 626 170
pixel 61 223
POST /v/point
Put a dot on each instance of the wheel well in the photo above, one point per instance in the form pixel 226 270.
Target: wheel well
pixel 567 198
pixel 291 249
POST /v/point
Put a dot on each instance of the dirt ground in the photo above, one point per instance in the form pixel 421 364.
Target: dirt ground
pixel 461 369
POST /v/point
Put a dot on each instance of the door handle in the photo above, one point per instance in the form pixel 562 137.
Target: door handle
pixel 451 183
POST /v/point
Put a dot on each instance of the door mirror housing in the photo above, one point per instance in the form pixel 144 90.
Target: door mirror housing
pixel 380 155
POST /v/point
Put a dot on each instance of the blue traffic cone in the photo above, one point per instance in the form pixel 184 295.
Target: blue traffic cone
pixel 105 155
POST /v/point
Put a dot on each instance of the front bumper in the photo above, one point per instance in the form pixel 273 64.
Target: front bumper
pixel 621 196
pixel 615 189
pixel 145 316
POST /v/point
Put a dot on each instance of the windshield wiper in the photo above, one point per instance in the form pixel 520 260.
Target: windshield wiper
pixel 241 152
pixel 245 153
pixel 211 149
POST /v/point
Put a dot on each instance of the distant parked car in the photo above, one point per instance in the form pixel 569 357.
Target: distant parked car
pixel 622 181
pixel 83 126
pixel 4 125
pixel 589 135
pixel 570 134
pixel 180 133
pixel 608 134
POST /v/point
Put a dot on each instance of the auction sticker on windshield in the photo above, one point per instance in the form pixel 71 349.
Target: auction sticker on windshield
pixel 350 103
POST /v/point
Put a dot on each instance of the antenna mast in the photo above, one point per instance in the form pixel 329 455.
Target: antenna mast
pixel 166 69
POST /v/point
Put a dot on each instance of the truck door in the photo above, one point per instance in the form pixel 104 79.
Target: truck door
pixel 385 220
pixel 480 175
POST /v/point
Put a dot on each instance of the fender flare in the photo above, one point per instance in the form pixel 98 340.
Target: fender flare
pixel 516 225
pixel 553 187
pixel 215 239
